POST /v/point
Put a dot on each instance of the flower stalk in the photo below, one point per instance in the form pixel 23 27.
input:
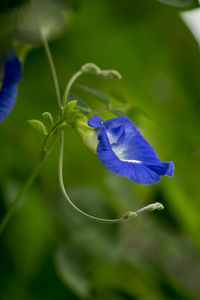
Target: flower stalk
pixel 125 217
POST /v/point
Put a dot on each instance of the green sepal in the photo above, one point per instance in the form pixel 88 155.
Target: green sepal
pixel 38 125
pixel 70 111
pixel 87 134
pixel 70 107
pixel 48 118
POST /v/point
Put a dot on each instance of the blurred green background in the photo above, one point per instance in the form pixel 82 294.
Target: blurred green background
pixel 48 251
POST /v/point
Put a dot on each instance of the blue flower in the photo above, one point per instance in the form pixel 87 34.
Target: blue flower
pixel 124 151
pixel 8 92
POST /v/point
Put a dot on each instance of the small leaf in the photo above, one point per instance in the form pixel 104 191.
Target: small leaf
pixel 38 125
pixel 103 98
pixel 48 118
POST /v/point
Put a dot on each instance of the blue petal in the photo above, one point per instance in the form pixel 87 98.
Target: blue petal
pixel 8 92
pixel 138 169
pixel 132 146
pixel 95 122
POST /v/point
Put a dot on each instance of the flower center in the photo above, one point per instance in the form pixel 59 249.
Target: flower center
pixel 118 149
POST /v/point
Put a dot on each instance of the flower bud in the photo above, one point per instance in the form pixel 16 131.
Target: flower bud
pixel 110 74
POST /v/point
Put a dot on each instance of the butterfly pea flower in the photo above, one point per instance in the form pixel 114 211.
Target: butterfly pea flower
pixel 123 150
pixel 8 91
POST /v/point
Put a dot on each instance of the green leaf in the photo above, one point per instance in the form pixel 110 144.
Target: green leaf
pixel 103 98
pixel 38 125
pixel 48 118
pixel 80 105
pixel 118 96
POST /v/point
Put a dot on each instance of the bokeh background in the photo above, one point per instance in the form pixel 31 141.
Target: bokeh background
pixel 48 251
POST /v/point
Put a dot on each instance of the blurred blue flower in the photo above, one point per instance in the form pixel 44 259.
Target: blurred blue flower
pixel 8 92
pixel 124 151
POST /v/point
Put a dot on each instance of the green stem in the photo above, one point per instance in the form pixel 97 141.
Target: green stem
pixel 69 85
pixel 126 216
pixel 53 70
pixel 25 188
pixel 52 131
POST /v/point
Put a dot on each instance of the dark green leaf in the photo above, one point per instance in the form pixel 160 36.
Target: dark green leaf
pixel 118 96
pixel 81 105
pixel 100 96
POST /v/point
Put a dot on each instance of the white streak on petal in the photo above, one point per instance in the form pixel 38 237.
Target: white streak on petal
pixel 132 161
pixel 119 154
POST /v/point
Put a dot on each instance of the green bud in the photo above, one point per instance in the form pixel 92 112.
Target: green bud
pixel 111 74
pixel 48 118
pixel 86 133
pixel 91 68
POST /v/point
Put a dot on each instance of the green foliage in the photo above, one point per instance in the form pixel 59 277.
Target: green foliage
pixel 98 95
